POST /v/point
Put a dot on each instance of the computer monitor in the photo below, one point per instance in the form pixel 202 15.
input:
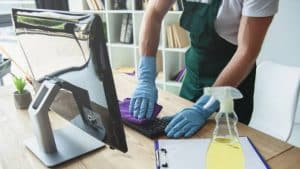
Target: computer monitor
pixel 67 57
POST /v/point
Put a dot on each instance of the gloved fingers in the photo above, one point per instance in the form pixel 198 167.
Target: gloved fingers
pixel 180 125
pixel 178 134
pixel 150 110
pixel 192 131
pixel 137 106
pixel 177 128
pixel 183 130
pixel 131 105
pixel 143 108
pixel 173 122
pixel 168 118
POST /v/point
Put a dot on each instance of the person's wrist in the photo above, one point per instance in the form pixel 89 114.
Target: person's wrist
pixel 206 105
pixel 147 69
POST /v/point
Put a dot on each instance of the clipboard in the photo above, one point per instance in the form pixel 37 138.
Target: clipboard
pixel 191 154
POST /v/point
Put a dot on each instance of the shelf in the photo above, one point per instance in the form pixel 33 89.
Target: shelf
pixel 139 11
pixel 90 11
pixel 181 50
pixel 170 12
pixel 121 57
pixel 168 60
pixel 121 45
pixel 104 11
pixel 120 11
pixel 159 48
pixel 174 83
pixel 175 12
pixel 159 82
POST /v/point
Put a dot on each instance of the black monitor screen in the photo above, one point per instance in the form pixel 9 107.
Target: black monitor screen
pixel 71 48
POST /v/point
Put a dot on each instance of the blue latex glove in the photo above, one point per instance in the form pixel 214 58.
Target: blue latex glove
pixel 145 95
pixel 190 120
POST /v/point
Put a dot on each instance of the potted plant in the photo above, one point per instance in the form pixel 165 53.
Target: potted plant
pixel 22 96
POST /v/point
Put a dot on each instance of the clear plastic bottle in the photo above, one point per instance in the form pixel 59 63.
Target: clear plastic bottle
pixel 225 151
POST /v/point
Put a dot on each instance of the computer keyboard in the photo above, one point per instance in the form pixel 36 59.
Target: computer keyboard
pixel 152 130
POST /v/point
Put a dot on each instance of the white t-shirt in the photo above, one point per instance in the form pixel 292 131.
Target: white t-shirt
pixel 230 12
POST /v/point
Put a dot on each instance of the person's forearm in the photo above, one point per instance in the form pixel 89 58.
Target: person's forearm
pixel 149 35
pixel 236 70
pixel 151 25
pixel 252 32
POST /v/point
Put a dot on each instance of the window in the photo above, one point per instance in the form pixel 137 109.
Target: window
pixel 5 20
pixel 7 5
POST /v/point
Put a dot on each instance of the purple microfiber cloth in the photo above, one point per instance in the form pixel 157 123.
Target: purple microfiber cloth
pixel 124 109
pixel 130 74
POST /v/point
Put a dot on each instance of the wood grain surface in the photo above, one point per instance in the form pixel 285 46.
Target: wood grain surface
pixel 15 127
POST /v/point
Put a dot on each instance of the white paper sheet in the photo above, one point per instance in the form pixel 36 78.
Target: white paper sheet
pixel 191 154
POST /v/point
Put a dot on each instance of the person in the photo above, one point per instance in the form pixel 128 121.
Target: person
pixel 226 37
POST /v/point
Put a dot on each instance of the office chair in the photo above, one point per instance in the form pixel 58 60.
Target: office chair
pixel 295 135
pixel 275 99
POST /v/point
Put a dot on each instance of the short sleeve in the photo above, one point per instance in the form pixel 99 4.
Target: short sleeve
pixel 260 8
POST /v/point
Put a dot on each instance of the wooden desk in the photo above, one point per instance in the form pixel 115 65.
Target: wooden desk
pixel 15 127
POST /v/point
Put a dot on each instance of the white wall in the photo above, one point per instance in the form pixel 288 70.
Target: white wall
pixel 282 44
pixel 6 5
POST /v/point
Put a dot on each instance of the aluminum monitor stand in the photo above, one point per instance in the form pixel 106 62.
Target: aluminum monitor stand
pixel 55 147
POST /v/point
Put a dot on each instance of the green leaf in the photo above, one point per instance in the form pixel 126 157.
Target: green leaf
pixel 20 84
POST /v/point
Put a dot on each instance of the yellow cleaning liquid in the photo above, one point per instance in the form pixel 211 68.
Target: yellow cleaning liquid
pixel 225 153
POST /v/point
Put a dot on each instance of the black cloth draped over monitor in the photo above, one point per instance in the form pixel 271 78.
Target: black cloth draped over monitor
pixel 52 4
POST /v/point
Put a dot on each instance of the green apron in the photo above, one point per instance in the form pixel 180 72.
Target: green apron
pixel 208 55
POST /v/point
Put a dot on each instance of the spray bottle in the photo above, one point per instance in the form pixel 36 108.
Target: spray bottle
pixel 225 151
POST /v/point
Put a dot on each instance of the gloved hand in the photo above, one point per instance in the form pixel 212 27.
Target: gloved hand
pixel 190 120
pixel 145 95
